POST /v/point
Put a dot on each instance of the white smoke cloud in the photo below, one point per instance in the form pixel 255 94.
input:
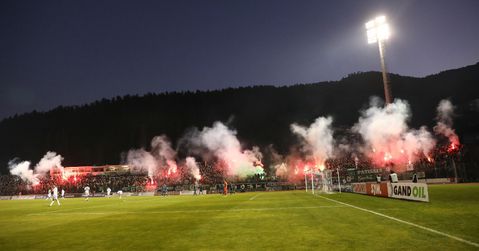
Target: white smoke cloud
pixel 161 148
pixel 164 153
pixel 445 113
pixel 380 126
pixel 161 158
pixel 387 136
pixel 23 171
pixel 49 162
pixel 140 161
pixel 224 144
pixel 317 139
pixel 416 141
pixel 193 167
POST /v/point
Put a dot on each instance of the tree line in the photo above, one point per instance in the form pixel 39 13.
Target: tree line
pixel 98 133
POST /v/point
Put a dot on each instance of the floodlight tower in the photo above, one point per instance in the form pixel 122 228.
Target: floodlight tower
pixel 378 31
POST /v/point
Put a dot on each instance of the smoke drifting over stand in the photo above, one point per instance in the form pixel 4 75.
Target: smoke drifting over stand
pixel 386 141
pixel 159 161
pixel 193 168
pixel 445 112
pixel 317 140
pixel 222 143
pixel 49 162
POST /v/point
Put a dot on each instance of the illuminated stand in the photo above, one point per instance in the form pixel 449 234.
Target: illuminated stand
pixel 378 31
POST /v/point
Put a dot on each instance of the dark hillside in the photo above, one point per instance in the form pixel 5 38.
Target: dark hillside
pixel 99 132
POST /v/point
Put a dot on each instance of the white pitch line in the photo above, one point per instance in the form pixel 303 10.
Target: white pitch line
pixel 254 197
pixel 184 211
pixel 404 222
pixel 81 213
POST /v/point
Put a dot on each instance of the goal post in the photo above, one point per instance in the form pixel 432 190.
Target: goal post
pixel 323 181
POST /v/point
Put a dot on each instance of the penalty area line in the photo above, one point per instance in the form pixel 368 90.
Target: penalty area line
pixel 254 197
pixel 404 222
pixel 185 211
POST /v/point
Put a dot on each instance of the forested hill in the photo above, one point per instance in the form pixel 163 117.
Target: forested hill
pixel 99 132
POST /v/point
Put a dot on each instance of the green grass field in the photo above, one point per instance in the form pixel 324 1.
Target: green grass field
pixel 248 221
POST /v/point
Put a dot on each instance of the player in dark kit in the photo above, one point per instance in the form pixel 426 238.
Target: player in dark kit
pixel 164 190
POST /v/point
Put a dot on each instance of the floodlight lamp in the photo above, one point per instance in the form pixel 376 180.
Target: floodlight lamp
pixel 380 20
pixel 377 30
pixel 370 24
pixel 383 32
pixel 372 38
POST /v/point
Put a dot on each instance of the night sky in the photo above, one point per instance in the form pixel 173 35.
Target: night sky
pixel 74 52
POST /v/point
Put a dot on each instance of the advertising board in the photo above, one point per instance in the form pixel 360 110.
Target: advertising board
pixel 378 189
pixel 410 191
pixel 359 188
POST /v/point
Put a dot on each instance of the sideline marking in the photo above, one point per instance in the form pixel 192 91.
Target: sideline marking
pixel 254 197
pixel 404 222
pixel 183 211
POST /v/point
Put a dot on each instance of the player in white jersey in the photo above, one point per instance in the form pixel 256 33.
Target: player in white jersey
pixel 87 192
pixel 55 196
pixel 63 194
pixel 108 192
pixel 120 193
pixel 49 195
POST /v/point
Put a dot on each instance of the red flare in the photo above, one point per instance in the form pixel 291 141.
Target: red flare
pixel 453 147
pixel 387 156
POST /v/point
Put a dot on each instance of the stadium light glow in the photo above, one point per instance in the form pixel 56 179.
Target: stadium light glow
pixel 378 31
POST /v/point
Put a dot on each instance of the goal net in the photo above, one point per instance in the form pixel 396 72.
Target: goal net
pixel 319 182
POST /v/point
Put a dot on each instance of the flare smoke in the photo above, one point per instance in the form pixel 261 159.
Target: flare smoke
pixel 50 161
pixel 193 167
pixel 164 153
pixel 161 158
pixel 23 171
pixel 445 112
pixel 387 137
pixel 224 144
pixel 142 161
pixel 317 139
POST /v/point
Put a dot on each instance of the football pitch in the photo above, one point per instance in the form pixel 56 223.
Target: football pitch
pixel 292 220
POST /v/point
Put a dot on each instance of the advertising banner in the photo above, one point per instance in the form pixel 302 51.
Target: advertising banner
pixel 359 188
pixel 367 175
pixel 23 197
pixel 410 191
pixel 378 189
